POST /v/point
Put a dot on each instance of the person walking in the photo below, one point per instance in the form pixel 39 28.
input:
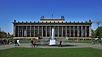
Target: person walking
pixel 18 42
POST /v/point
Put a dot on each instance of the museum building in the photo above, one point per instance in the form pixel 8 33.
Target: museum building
pixel 42 28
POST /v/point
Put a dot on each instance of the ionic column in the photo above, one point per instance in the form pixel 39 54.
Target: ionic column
pixel 42 31
pixel 38 30
pixel 85 31
pixel 70 31
pixel 90 31
pixel 81 31
pixel 77 31
pixel 18 31
pixel 66 31
pixel 14 30
pixel 33 31
pixel 26 31
pixel 22 31
pixel 50 31
pixel 62 31
pixel 74 31
pixel 46 31
pixel 58 32
pixel 30 31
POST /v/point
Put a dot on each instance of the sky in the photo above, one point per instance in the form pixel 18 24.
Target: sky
pixel 32 10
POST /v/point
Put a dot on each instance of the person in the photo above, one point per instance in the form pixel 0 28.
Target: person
pixel 2 41
pixel 11 42
pixel 31 43
pixel 34 42
pixel 93 42
pixel 60 43
pixel 18 42
pixel 15 42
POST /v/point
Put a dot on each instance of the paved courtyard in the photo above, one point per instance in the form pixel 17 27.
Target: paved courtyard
pixel 74 45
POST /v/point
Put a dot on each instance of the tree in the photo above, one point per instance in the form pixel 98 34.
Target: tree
pixel 8 35
pixel 98 32
pixel 3 34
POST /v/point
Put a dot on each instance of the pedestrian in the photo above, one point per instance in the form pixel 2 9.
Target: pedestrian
pixel 18 42
pixel 60 43
pixel 15 42
pixel 93 42
pixel 31 43
pixel 34 42
pixel 11 42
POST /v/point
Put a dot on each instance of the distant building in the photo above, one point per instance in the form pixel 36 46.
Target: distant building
pixel 43 27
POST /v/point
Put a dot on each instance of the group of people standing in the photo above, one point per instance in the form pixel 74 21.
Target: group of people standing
pixel 4 41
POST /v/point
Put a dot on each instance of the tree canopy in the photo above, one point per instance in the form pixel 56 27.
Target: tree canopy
pixel 98 32
pixel 3 34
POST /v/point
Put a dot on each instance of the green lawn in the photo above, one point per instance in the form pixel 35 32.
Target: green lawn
pixel 51 52
pixel 67 41
pixel 25 41
pixel 81 41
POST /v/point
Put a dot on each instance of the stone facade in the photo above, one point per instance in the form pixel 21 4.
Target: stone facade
pixel 43 28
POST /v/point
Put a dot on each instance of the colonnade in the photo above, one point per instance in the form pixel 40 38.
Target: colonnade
pixel 45 31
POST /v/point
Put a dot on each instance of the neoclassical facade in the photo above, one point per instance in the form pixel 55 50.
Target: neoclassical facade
pixel 43 28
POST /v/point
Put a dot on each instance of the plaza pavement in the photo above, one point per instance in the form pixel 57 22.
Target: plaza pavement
pixel 75 45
